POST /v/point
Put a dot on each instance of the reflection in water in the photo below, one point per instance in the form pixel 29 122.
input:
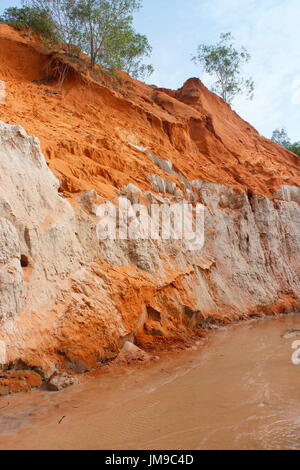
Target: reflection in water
pixel 240 391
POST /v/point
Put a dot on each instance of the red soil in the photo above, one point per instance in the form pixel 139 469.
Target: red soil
pixel 86 125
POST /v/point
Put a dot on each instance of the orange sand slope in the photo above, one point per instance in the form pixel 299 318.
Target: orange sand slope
pixel 87 126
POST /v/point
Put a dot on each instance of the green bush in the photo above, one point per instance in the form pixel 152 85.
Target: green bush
pixel 295 148
pixel 35 20
pixel 281 137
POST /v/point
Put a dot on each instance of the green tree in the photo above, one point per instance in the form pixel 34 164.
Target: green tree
pixel 124 49
pixel 109 36
pixel 295 148
pixel 280 136
pixel 101 28
pixel 65 18
pixel 223 62
pixel 36 20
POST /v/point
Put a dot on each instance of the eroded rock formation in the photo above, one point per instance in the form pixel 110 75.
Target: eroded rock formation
pixel 69 301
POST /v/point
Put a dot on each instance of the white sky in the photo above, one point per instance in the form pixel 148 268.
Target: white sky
pixel 269 29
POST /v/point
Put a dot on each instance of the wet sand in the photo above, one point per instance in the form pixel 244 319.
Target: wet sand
pixel 239 391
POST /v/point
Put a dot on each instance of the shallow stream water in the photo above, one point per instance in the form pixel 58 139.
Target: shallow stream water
pixel 238 391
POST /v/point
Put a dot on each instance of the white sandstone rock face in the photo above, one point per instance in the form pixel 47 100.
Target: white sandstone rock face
pixel 12 285
pixel 37 227
pixel 60 284
pixel 44 248
pixel 256 244
pixel 2 353
pixel 288 193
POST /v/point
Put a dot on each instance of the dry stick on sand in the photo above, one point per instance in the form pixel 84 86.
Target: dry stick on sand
pixel 5 406
pixel 61 419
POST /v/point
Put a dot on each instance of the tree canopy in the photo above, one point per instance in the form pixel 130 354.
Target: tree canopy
pixel 295 147
pixel 36 20
pixel 125 50
pixel 223 62
pixel 280 136
pixel 65 20
pixel 101 21
pixel 103 29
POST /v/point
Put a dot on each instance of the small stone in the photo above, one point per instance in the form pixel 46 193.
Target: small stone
pixel 59 382
pixel 131 353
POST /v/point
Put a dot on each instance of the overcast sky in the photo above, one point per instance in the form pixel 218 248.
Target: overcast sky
pixel 269 29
